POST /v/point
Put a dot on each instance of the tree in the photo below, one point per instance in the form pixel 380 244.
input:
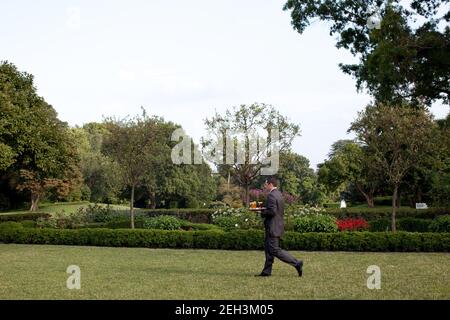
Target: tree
pixel 242 124
pixel 38 150
pixel 98 170
pixel 131 143
pixel 403 59
pixel 397 137
pixel 350 163
pixel 297 178
pixel 440 176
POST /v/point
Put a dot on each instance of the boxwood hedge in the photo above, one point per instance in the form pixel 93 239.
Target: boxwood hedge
pixel 234 240
pixel 31 216
pixel 385 213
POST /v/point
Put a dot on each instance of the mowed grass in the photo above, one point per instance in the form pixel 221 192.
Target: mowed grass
pixel 39 272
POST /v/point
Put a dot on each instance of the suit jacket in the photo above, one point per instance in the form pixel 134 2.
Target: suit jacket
pixel 274 214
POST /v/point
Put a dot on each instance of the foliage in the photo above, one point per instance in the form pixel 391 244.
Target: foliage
pixel 131 143
pixel 101 179
pixel 242 124
pixel 61 220
pixel 163 223
pixel 441 224
pixel 315 223
pixel 358 224
pixel 23 216
pixel 383 213
pixel 232 219
pixel 234 240
pixel 406 58
pixel 397 138
pixel 229 194
pixel 36 144
pixel 350 163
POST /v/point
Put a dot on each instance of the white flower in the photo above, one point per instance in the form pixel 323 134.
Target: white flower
pixel 246 220
pixel 236 225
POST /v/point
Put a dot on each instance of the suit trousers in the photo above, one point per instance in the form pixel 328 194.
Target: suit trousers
pixel 272 249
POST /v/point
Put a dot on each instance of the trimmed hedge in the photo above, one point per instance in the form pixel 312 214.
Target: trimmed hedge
pixel 374 213
pixel 192 215
pixel 235 240
pixel 404 224
pixel 32 216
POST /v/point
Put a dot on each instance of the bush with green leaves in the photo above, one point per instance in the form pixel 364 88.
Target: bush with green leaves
pixel 23 216
pixel 237 218
pixel 62 220
pixel 10 225
pixel 97 213
pixel 234 240
pixel 385 213
pixel 295 211
pixel 403 224
pixel 440 224
pixel 28 223
pixel 315 223
pixel 163 223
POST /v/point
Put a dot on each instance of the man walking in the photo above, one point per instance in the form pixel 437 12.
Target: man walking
pixel 274 229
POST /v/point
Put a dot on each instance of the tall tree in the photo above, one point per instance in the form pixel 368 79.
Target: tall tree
pixel 406 58
pixel 132 144
pixel 350 163
pixel 243 124
pixel 397 137
pixel 37 144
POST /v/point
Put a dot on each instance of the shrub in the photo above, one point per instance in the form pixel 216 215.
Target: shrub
pixel 352 224
pixel 380 225
pixel 192 215
pixel 189 226
pixel 46 223
pixel 217 205
pixel 28 223
pixel 232 219
pixel 235 240
pixel 316 223
pixel 97 213
pixel 403 224
pixel 440 224
pixel 413 224
pixel 385 213
pixel 23 216
pixel 163 223
pixel 10 225
pixel 294 211
pixel 61 220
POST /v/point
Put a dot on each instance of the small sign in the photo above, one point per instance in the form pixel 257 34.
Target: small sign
pixel 421 206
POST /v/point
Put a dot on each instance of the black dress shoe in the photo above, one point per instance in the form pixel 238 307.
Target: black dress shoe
pixel 262 274
pixel 299 268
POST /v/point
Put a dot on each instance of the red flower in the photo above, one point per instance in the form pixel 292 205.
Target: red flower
pixel 352 224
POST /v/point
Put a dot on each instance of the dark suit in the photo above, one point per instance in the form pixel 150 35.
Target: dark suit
pixel 274 226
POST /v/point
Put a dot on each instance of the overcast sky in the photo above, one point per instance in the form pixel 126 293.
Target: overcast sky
pixel 183 60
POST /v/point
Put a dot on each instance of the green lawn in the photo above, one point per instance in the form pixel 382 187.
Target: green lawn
pixel 39 272
pixel 66 207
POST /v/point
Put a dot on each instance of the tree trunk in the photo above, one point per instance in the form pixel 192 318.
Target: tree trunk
pixel 152 196
pixel 132 207
pixel 34 202
pixel 247 196
pixel 394 209
pixel 368 196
